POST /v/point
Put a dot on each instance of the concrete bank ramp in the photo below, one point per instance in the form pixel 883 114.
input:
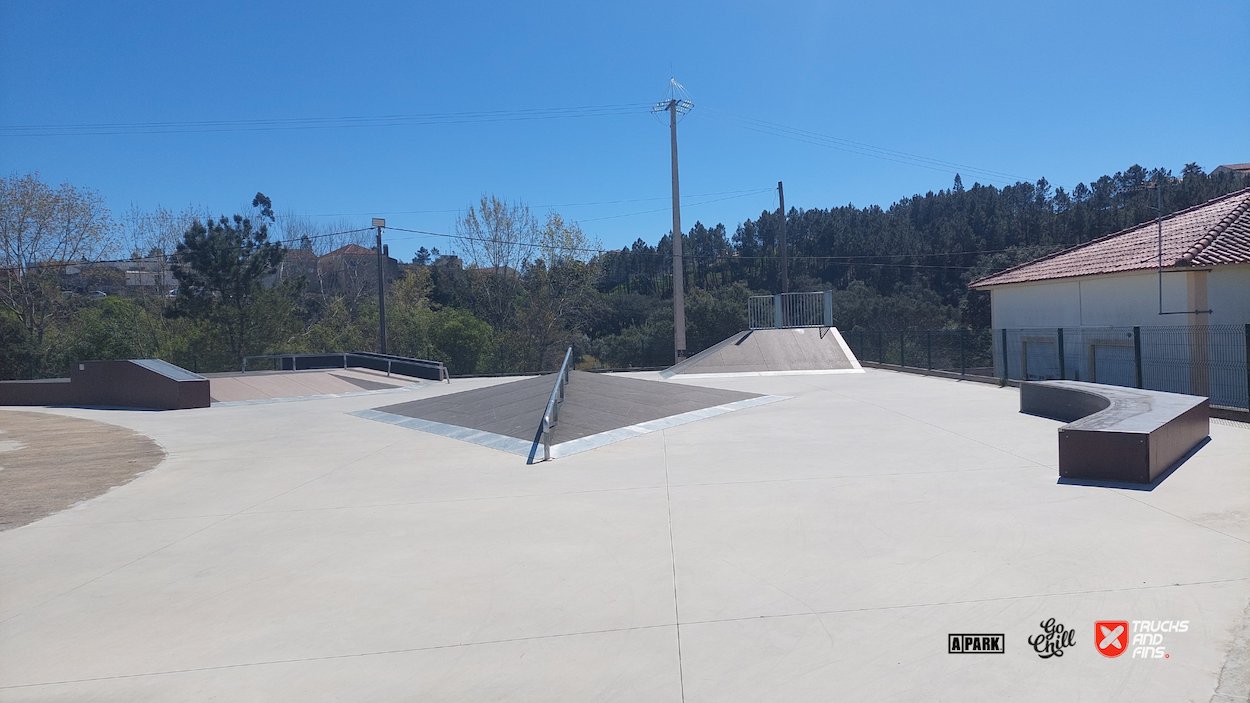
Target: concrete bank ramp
pixel 810 350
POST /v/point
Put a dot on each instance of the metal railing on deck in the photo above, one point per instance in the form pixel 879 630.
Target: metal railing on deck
pixel 402 365
pixel 551 414
pixel 786 310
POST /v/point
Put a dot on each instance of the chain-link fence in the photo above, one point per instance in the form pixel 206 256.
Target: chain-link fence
pixel 1206 360
pixel 968 352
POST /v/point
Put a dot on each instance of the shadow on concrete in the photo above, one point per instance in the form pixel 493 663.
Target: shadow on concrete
pixel 1137 486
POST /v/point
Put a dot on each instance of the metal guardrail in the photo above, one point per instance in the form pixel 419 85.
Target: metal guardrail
pixel 788 310
pixel 551 414
pixel 401 365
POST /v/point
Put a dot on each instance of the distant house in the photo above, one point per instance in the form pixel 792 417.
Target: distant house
pixel 349 269
pixel 1193 278
pixel 1241 169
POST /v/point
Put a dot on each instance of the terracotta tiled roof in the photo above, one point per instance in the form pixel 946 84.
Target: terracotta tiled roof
pixel 1215 232
pixel 350 250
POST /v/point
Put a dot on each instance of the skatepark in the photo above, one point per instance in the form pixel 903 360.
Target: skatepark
pixel 765 521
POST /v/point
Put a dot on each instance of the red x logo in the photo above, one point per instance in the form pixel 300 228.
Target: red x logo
pixel 1111 637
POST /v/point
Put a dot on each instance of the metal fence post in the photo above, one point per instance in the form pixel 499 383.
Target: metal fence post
pixel 1006 372
pixel 828 308
pixel 777 319
pixel 1137 355
pixel 928 349
pixel 902 342
pixel 1062 371
pixel 963 366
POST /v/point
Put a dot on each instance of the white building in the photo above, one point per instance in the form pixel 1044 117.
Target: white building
pixel 1135 304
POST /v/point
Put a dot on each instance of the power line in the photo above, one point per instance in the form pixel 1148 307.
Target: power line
pixel 536 207
pixel 302 123
pixel 818 139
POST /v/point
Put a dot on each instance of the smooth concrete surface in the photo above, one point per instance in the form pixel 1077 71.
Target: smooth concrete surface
pixel 799 351
pixel 817 549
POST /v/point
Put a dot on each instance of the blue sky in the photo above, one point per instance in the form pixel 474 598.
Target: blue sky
pixel 1064 90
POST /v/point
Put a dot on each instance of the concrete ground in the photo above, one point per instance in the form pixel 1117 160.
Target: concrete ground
pixel 816 549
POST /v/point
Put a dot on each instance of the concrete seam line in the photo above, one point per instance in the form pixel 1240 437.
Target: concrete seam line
pixel 330 657
pixel 672 553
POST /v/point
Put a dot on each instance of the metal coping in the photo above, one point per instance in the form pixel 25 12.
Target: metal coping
pixel 167 369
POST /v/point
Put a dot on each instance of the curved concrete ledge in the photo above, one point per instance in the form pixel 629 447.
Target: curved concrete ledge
pixel 1115 433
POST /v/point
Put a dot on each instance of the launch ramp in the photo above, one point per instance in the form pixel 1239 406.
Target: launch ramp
pixel 771 352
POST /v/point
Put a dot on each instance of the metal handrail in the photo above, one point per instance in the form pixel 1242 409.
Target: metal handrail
pixel 347 360
pixel 790 310
pixel 551 414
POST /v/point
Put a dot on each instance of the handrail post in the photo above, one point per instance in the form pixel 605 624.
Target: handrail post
pixel 828 308
pixel 777 311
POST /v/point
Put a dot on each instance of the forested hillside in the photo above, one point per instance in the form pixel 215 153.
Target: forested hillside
pixel 517 291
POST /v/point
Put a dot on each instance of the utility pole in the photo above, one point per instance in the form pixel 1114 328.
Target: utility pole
pixel 380 223
pixel 785 253
pixel 674 107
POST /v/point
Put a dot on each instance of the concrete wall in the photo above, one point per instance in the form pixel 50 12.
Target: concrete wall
pixel 1228 292
pixel 1124 300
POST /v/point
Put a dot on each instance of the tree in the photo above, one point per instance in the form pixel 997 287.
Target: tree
pixel 221 268
pixel 498 239
pixel 42 231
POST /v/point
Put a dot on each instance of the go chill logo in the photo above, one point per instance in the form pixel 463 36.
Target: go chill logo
pixel 1145 638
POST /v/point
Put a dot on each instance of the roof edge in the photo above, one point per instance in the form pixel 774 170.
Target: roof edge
pixel 981 281
pixel 1209 238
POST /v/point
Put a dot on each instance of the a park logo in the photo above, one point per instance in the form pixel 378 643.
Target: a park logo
pixel 1111 637
pixel 1052 640
pixel 975 644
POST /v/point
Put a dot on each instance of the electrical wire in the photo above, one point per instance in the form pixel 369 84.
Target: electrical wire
pixel 537 207
pixel 303 123
pixel 818 139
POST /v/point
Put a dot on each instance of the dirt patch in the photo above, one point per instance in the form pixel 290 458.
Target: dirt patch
pixel 50 462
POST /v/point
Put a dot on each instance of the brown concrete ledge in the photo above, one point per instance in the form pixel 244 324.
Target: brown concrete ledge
pixel 1115 433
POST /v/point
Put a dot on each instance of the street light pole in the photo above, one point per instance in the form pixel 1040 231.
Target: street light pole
pixel 380 223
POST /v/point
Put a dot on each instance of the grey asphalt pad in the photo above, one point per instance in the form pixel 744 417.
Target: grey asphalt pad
pixel 593 403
